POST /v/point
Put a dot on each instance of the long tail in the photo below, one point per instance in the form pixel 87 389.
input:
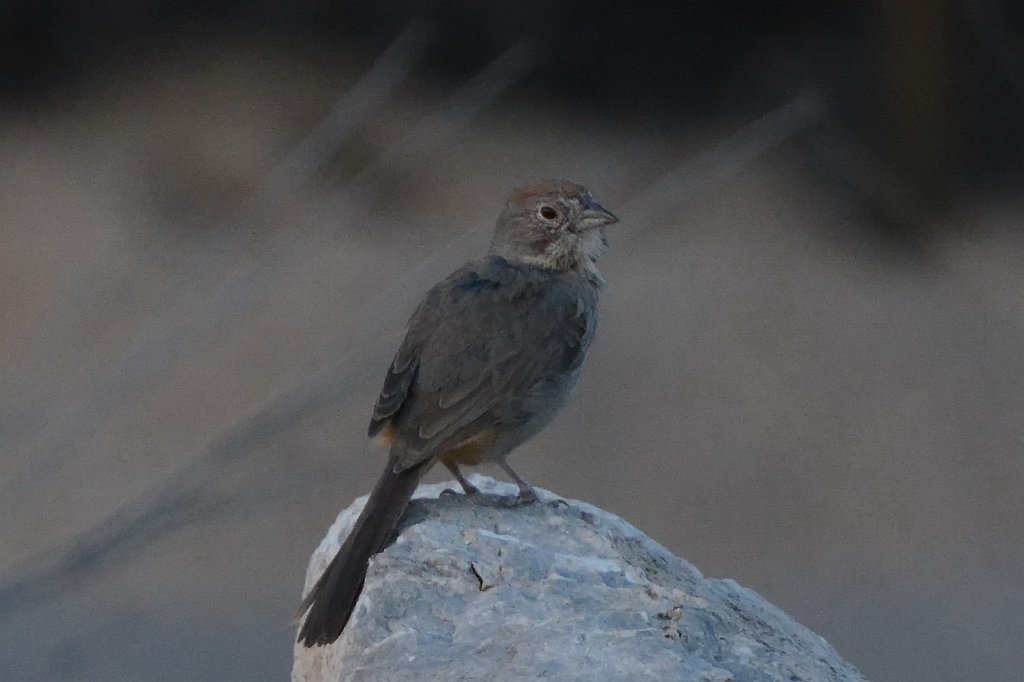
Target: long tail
pixel 333 597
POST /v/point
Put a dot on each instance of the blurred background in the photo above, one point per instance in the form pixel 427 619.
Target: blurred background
pixel 217 216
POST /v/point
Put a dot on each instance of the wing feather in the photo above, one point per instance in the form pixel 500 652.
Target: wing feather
pixel 476 347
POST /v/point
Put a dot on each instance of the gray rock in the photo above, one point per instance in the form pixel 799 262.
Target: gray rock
pixel 559 590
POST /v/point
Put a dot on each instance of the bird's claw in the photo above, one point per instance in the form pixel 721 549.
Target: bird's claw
pixel 526 496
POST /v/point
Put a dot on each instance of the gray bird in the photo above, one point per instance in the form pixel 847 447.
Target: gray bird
pixel 491 355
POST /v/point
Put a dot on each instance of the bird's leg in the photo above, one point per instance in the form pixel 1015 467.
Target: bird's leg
pixel 468 487
pixel 526 492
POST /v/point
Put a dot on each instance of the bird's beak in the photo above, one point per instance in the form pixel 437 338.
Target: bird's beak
pixel 594 215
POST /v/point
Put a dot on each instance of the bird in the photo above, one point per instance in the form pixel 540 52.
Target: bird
pixel 491 354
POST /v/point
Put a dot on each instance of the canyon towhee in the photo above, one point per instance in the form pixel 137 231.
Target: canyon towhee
pixel 490 356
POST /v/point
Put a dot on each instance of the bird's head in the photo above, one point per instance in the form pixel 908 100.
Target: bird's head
pixel 553 224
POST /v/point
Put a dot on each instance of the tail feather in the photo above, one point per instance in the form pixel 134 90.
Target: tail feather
pixel 333 598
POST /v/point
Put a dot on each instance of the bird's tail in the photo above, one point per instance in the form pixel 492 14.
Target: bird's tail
pixel 333 597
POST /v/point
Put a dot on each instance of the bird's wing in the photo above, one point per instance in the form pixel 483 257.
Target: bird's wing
pixel 477 346
pixel 399 379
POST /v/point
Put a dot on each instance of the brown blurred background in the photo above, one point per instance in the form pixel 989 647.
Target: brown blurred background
pixel 216 217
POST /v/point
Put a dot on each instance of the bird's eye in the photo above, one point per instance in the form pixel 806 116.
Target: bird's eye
pixel 548 213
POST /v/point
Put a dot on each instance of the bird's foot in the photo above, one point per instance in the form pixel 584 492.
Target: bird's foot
pixel 526 496
pixel 468 490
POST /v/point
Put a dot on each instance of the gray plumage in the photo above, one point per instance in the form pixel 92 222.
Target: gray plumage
pixel 495 343
pixel 491 355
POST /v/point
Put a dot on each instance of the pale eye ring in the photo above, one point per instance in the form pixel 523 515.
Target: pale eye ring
pixel 547 212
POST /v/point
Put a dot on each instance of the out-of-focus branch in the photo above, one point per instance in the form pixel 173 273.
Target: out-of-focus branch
pixel 196 304
pixel 308 159
pixel 182 498
pixel 729 156
pixel 465 105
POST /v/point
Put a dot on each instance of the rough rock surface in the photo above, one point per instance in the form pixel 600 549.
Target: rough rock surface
pixel 558 590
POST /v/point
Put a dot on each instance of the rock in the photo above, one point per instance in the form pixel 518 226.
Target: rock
pixel 478 589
